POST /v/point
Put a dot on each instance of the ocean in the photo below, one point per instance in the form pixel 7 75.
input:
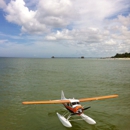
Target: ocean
pixel 29 79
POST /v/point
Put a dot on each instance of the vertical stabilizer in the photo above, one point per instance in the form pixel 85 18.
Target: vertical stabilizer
pixel 62 95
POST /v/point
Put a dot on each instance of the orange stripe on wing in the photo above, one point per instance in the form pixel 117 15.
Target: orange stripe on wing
pixel 97 98
pixel 46 102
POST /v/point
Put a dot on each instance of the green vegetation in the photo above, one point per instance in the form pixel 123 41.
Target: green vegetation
pixel 123 55
pixel 82 57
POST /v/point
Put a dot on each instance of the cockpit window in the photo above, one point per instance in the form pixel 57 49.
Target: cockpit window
pixel 74 103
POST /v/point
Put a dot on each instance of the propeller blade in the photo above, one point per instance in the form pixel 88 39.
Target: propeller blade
pixel 86 108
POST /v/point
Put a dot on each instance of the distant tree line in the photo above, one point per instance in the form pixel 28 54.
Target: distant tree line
pixel 123 55
pixel 82 57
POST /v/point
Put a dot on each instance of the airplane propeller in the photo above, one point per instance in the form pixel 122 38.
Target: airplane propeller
pixel 86 108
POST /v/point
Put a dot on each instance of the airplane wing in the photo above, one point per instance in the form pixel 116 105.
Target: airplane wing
pixel 46 102
pixel 97 98
pixel 68 101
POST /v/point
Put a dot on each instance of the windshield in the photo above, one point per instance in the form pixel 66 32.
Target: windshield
pixel 74 103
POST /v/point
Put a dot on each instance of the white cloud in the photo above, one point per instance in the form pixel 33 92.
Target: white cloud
pixel 2 4
pixel 55 13
pixel 49 14
pixel 84 36
pixel 87 25
pixel 52 14
pixel 110 42
pixel 124 20
pixel 18 13
pixel 64 35
pixel 3 41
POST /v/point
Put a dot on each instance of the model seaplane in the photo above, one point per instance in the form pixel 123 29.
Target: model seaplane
pixel 73 106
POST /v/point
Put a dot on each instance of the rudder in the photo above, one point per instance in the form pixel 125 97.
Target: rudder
pixel 62 95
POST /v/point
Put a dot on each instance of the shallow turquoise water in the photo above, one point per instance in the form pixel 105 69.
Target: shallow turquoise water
pixel 24 79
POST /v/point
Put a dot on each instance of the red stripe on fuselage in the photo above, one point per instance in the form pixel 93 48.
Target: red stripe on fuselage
pixel 75 109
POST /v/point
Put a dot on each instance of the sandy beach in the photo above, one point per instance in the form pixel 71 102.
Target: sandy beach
pixel 116 58
pixel 120 58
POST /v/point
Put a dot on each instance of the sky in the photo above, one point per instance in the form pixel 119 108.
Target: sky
pixel 64 28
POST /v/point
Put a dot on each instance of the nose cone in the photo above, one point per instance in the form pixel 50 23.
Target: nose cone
pixel 79 109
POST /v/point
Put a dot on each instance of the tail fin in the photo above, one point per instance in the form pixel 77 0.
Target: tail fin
pixel 62 95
